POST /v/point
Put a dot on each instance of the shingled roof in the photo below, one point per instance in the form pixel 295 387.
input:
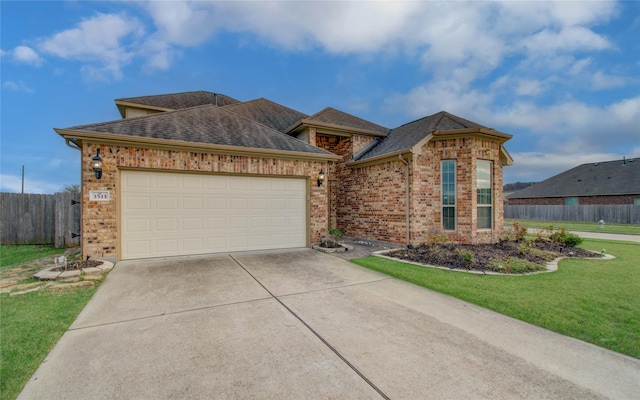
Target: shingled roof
pixel 178 101
pixel 268 113
pixel 207 124
pixel 408 135
pixel 618 177
pixel 340 118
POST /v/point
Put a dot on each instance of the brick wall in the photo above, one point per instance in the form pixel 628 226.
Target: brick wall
pixel 370 202
pixel 99 226
pixel 373 206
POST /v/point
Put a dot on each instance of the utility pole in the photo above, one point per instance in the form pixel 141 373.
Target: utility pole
pixel 23 179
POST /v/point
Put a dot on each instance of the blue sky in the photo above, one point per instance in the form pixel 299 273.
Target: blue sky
pixel 562 77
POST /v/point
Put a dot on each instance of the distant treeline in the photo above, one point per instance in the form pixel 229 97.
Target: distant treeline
pixel 517 186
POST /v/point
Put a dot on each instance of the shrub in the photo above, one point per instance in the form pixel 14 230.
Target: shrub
pixel 466 256
pixel 335 232
pixel 565 238
pixel 519 231
pixel 435 237
pixel 524 248
pixel 571 240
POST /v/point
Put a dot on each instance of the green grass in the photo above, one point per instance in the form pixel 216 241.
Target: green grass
pixel 592 300
pixel 31 325
pixel 12 255
pixel 627 229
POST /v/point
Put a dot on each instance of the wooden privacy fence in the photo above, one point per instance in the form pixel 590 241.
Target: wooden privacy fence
pixel 621 214
pixel 40 219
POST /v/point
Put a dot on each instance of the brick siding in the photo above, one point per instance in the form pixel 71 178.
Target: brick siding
pixel 370 202
pixel 99 226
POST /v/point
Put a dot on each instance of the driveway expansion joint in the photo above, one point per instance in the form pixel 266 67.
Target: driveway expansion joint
pixel 316 334
pixel 169 313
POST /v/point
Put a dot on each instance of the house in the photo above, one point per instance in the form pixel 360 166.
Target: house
pixel 600 183
pixel 199 172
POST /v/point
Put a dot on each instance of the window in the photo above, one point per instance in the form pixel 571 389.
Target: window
pixel 484 194
pixel 570 201
pixel 449 195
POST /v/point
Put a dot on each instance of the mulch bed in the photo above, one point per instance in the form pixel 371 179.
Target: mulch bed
pixel 458 256
pixel 74 265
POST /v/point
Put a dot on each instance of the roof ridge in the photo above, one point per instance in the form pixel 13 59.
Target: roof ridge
pixel 260 123
pixel 144 116
pixel 170 94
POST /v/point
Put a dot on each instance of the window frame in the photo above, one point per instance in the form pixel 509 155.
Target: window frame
pixel 448 206
pixel 484 205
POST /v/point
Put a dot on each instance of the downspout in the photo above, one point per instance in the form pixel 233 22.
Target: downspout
pixel 407 199
pixel 72 145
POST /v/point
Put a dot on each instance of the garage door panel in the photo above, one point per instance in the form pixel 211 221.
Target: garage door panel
pixel 181 214
pixel 192 203
pixel 137 203
pixel 190 182
pixel 216 203
pixel 166 203
pixel 137 182
pixel 166 224
pixel 138 225
pixel 166 181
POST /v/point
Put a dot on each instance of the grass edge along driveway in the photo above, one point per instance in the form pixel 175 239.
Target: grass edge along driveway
pixel 32 324
pixel 591 300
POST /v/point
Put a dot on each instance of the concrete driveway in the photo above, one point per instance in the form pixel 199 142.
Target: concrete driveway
pixel 305 325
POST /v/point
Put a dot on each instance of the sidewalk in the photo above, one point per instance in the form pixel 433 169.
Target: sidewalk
pixel 600 235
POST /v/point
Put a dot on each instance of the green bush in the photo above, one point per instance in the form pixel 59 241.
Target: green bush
pixel 565 238
pixel 335 232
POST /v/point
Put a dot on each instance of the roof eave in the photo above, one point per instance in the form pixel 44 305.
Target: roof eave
pixel 77 137
pixel 122 104
pixel 484 132
pixel 378 159
pixel 505 158
pixel 324 127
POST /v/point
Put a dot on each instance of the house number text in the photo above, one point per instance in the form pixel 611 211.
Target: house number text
pixel 99 195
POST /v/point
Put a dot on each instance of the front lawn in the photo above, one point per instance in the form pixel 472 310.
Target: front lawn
pixel 592 300
pixel 18 254
pixel 31 324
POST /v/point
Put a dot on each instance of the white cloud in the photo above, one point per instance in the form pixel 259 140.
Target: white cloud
pixel 16 86
pixel 575 127
pixel 13 184
pixel 99 42
pixel 529 87
pixel 25 55
pixel 601 81
pixel 568 39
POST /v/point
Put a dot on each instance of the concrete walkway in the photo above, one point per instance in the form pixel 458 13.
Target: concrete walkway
pixel 302 324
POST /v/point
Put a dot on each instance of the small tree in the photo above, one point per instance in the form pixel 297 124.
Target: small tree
pixel 71 188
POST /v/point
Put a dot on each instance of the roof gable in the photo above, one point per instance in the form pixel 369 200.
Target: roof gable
pixel 336 117
pixel 408 135
pixel 267 112
pixel 607 178
pixel 207 124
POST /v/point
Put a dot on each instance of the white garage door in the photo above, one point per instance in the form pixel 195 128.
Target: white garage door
pixel 170 214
